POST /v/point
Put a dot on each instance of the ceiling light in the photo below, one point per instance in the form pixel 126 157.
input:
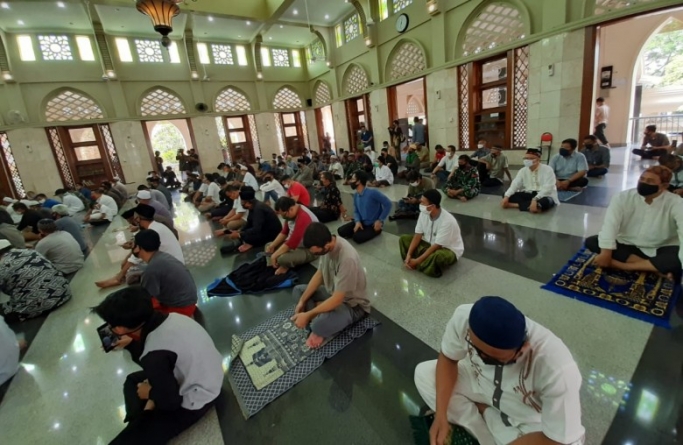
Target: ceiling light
pixel 270 38
pixel 327 16
pixel 7 76
pixel 111 74
pixel 210 19
pixel 295 12
pixel 195 75
pixel 4 5
pixel 61 4
pixel 161 12
pixel 259 75
pixel 248 23
pixel 281 26
pixel 20 22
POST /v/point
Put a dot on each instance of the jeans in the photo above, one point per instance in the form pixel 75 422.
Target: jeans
pixel 523 199
pixel 594 173
pixel 600 133
pixel 484 177
pixel 272 194
pixel 442 175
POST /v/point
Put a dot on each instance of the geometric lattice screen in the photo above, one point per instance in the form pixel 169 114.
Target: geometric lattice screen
pixel 605 6
pixel 521 98
pixel 15 178
pixel 60 156
pixel 464 95
pixel 114 161
pixel 230 100
pixel 322 94
pixel 286 99
pixel 496 25
pixel 356 80
pixel 160 102
pixel 408 59
pixel 72 106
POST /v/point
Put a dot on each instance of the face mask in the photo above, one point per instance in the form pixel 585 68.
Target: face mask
pixel 286 187
pixel 461 166
pixel 480 146
pixel 424 209
pixel 414 184
pixel 588 146
pixel 353 185
pixel 564 152
pixel 647 189
pixel 528 163
pixel 376 164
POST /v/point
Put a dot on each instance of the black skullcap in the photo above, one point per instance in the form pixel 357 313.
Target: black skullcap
pixel 145 211
pixel 498 323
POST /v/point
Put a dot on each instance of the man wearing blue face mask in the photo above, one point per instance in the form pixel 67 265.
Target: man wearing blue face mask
pixel 504 378
pixel 570 167
pixel 643 228
pixel 533 189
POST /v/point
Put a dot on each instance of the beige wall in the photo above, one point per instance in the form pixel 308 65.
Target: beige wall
pixel 379 113
pixel 267 135
pixel 35 160
pixel 208 143
pixel 442 107
pixel 132 149
pixel 341 128
pixel 313 136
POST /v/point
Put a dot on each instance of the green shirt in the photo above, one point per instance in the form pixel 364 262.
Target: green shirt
pixel 466 179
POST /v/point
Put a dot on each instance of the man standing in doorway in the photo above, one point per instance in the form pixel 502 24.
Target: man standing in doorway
pixel 601 117
pixel 366 137
pixel 418 131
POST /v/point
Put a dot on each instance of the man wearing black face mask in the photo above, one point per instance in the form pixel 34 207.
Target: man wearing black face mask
pixel 570 167
pixel 336 296
pixel 598 157
pixel 504 378
pixel 643 228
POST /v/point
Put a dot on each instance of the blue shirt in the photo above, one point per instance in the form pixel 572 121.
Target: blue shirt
pixel 419 133
pixel 366 138
pixel 565 168
pixel 370 205
pixel 85 192
pixel 49 203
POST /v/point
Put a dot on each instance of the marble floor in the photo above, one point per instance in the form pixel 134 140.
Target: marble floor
pixel 69 392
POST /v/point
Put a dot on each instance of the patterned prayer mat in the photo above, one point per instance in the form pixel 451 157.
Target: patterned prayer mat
pixel 271 358
pixel 645 296
pixel 566 195
pixel 422 424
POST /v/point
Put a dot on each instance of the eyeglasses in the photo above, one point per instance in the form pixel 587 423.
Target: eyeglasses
pixel 488 360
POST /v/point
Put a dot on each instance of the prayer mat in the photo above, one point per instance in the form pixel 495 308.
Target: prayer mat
pixel 645 296
pixel 422 424
pixel 271 358
pixel 566 195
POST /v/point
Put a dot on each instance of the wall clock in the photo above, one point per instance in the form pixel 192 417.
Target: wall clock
pixel 402 23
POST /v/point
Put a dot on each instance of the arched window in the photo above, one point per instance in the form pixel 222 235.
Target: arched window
pixel 231 100
pixel 161 102
pixel 286 99
pixel 323 95
pixel 605 6
pixel 355 80
pixel 70 105
pixel 498 24
pixel 408 58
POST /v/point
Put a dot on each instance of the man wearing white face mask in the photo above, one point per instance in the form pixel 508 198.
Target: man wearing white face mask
pixel 482 150
pixel 408 207
pixel 446 166
pixel 437 242
pixel 534 188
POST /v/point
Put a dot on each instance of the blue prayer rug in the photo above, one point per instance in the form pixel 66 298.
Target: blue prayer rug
pixel 566 195
pixel 645 296
pixel 271 358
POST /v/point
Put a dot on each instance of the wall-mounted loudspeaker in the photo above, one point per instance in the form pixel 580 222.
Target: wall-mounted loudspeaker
pixel 309 102
pixel 202 107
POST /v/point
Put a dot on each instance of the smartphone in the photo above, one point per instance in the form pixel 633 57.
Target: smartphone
pixel 107 337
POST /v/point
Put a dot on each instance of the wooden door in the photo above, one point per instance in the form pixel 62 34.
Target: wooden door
pixel 491 107
pixel 357 114
pixel 292 133
pixel 239 139
pixel 86 154
pixel 320 127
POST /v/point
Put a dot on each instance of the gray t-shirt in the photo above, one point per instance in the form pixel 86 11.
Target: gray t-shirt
pixel 169 281
pixel 342 272
pixel 69 225
pixel 62 250
pixel 13 235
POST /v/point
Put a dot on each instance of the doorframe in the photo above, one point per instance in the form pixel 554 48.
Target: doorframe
pixel 392 103
pixel 351 108
pixel 246 128
pixel 299 131
pixel 150 147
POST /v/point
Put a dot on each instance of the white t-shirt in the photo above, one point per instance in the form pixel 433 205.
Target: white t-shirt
pixel 384 173
pixel 541 387
pixel 74 204
pixel 449 164
pixel 213 192
pixel 9 352
pixel 169 243
pixel 237 205
pixel 337 169
pixel 250 181
pixel 203 188
pixel 443 231
pixel 274 185
pixel 108 201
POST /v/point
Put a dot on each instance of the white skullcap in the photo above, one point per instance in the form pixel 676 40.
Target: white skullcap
pixel 144 194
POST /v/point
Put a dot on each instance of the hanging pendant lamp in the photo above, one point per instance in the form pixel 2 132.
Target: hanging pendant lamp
pixel 161 12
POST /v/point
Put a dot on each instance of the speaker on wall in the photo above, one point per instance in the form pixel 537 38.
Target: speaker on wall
pixel 309 102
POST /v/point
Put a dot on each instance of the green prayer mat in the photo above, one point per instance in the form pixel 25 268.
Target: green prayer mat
pixel 421 425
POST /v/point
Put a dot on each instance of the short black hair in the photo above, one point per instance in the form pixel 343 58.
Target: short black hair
pixel 591 137
pixel 433 196
pixel 284 203
pixel 438 147
pixel 148 240
pixel 60 192
pixel 452 147
pixel 47 225
pixel 221 180
pixel 651 128
pixel 220 166
pixel 209 176
pixel 143 187
pixel 329 176
pixel 285 178
pixel 317 235
pixel 19 206
pixel 382 159
pixel 572 143
pixel 129 307
pixel 40 195
pixel 600 99
pixel 128 214
pixel 413 175
pixel 361 176
pixel 232 188
pixel 154 180
pixel 464 158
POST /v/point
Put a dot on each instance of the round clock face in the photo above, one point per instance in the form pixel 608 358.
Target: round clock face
pixel 402 23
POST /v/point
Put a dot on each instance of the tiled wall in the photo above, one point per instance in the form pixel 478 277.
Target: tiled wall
pixel 267 135
pixel 379 112
pixel 131 147
pixel 341 129
pixel 442 107
pixel 208 143
pixel 35 160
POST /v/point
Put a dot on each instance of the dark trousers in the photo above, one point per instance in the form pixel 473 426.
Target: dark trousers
pixel 362 236
pixel 581 182
pixel 485 179
pixel 383 183
pixel 220 211
pixel 524 201
pixel 649 154
pixel 442 175
pixel 593 173
pixel 259 239
pixel 666 260
pixel 99 222
pixel 600 133
pixel 324 215
pixel 154 427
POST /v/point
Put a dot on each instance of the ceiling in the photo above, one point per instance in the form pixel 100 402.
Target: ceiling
pixel 210 20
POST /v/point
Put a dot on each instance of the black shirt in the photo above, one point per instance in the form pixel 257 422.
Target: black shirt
pixel 30 218
pixel 263 221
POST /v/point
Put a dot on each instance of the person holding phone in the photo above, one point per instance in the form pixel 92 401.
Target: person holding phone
pixel 159 405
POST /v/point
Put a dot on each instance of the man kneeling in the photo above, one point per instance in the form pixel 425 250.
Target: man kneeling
pixel 336 296
pixel 437 242
pixel 182 371
pixel 643 228
pixel 502 377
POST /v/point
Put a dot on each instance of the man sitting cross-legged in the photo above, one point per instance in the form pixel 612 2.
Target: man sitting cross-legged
pixel 675 164
pixel 287 249
pixel 534 188
pixel 504 378
pixel 643 228
pixel 336 296
pixel 370 209
pixel 237 217
pixel 165 278
pixel 437 242
pixel 463 182
pixel 262 227
pixel 570 167
pixel 409 207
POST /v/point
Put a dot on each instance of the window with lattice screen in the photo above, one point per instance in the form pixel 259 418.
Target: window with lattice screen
pixel 464 101
pixel 323 95
pixel 70 105
pixel 407 59
pixel 55 48
pixel 160 102
pixel 280 57
pixel 401 4
pixel 351 28
pixel 498 24
pixel 230 100
pixel 286 99
pixel 222 54
pixel 149 51
pixel 521 98
pixel 316 52
pixel 605 6
pixel 356 80
pixel 16 182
